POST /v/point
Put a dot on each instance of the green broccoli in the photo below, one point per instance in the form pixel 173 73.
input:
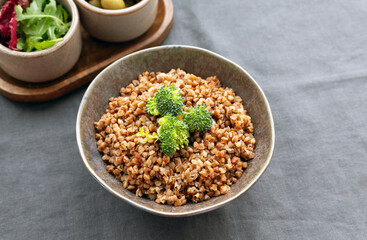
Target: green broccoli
pixel 151 107
pixel 198 119
pixel 173 134
pixel 174 130
pixel 167 101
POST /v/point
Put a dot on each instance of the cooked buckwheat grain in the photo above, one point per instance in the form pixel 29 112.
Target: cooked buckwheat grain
pixel 211 163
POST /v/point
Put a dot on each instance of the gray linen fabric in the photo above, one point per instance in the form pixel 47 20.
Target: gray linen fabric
pixel 309 56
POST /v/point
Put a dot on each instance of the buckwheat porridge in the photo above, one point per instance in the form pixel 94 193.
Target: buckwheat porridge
pixel 204 166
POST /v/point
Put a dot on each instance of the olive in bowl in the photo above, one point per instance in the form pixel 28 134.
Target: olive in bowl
pixel 115 24
pixel 113 4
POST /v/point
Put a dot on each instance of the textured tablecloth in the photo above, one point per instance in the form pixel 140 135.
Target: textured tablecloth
pixel 310 58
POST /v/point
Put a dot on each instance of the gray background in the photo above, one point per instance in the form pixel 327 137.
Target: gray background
pixel 309 56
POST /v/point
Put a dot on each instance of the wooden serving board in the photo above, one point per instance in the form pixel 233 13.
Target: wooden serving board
pixel 95 56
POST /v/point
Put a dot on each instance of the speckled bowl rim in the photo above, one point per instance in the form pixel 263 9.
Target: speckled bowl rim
pixel 152 210
pixel 73 27
pixel 111 12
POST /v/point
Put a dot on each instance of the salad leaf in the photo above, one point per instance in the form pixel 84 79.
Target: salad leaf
pixel 43 24
pixel 38 43
pixel 20 43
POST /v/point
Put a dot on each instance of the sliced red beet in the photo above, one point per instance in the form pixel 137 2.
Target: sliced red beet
pixel 13 33
pixel 6 14
pixel 8 23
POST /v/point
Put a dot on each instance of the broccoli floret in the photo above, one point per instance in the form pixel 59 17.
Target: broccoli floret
pixel 173 134
pixel 169 101
pixel 198 119
pixel 168 145
pixel 151 107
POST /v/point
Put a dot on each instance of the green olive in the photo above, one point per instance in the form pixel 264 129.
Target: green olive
pixel 96 3
pixel 113 4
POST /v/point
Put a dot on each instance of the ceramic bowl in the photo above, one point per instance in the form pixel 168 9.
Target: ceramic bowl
pixel 193 60
pixel 47 64
pixel 118 25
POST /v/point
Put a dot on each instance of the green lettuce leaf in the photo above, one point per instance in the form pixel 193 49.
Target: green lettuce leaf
pixel 39 44
pixel 43 24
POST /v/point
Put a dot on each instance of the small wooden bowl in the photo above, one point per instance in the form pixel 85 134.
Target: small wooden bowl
pixel 50 63
pixel 118 25
pixel 193 60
